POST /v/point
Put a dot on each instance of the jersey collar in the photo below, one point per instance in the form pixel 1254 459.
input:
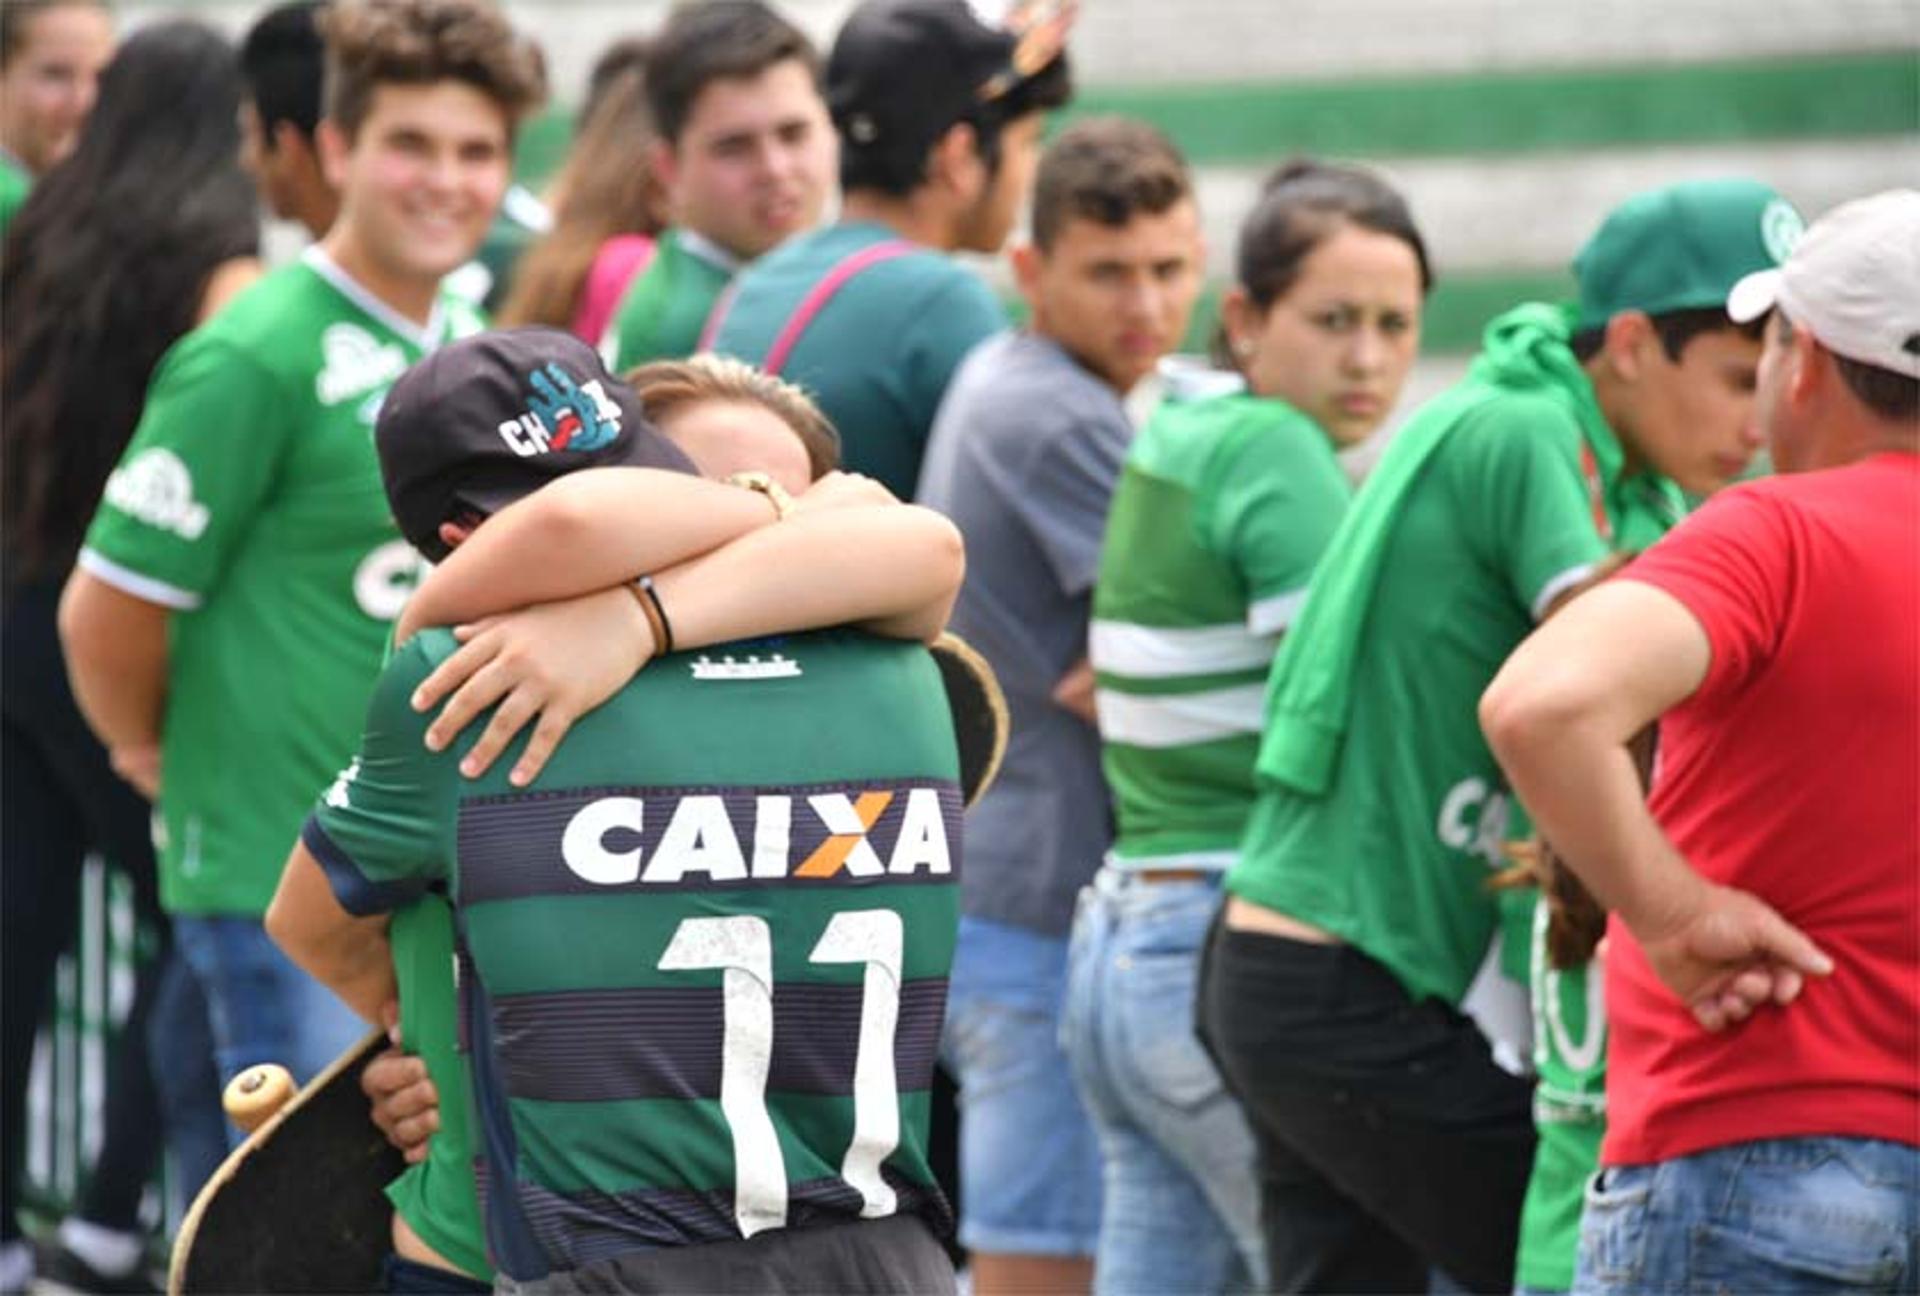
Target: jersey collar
pixel 360 295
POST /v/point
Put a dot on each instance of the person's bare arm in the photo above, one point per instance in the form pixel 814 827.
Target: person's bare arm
pixel 583 532
pixel 890 569
pixel 116 651
pixel 1075 691
pixel 349 955
pixel 1559 716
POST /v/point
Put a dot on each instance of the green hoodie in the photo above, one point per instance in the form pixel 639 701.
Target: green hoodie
pixel 1382 810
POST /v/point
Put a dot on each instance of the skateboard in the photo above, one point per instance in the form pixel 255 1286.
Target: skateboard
pixel 299 1206
pixel 980 719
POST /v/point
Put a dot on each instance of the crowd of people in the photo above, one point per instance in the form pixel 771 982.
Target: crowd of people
pixel 552 691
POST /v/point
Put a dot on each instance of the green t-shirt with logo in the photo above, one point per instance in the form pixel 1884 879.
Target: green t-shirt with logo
pixel 1569 1111
pixel 879 354
pixel 1223 507
pixel 663 310
pixel 15 185
pixel 1395 857
pixel 703 957
pixel 249 502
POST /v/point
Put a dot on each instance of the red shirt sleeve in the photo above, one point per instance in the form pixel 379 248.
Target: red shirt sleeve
pixel 1732 565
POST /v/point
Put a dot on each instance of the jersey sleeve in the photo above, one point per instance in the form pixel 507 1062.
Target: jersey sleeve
pixel 1525 498
pixel 952 320
pixel 384 831
pixel 1272 502
pixel 1731 565
pixel 199 469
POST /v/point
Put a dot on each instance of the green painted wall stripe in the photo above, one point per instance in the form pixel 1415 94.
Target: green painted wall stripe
pixel 1500 113
pixel 1526 112
pixel 1456 314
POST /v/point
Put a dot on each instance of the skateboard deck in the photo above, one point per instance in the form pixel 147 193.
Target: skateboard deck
pixel 980 719
pixel 300 1205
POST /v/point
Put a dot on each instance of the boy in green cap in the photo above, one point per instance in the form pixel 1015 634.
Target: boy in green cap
pixel 1390 1142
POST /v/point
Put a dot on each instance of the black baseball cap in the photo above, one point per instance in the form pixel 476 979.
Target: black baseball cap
pixel 903 71
pixel 485 420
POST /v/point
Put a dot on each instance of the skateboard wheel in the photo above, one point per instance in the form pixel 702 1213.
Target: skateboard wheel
pixel 256 1094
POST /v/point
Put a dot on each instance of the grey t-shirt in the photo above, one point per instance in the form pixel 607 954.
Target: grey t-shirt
pixel 1024 456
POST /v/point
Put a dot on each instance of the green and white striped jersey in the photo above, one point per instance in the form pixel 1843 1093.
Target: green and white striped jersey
pixel 1223 509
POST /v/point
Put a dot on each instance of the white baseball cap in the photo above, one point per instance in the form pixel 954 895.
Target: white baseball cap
pixel 1853 282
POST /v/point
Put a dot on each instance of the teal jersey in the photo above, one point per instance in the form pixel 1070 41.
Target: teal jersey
pixel 249 502
pixel 879 354
pixel 1223 508
pixel 704 956
pixel 663 310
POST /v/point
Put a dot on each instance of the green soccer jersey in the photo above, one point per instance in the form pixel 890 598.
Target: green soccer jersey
pixel 879 353
pixel 1569 1111
pixel 436 1196
pixel 15 184
pixel 665 307
pixel 705 954
pixel 1223 508
pixel 249 501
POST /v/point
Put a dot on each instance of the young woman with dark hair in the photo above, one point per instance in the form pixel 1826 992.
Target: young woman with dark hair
pixel 1223 508
pixel 141 233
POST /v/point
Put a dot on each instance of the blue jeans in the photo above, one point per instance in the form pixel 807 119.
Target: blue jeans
pixel 180 1042
pixel 1182 1200
pixel 262 1008
pixel 1029 1161
pixel 1781 1215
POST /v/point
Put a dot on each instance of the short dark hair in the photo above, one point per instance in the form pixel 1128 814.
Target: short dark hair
pixel 16 15
pixel 1892 396
pixel 704 43
pixel 1107 170
pixel 418 42
pixel 891 172
pixel 1675 329
pixel 283 66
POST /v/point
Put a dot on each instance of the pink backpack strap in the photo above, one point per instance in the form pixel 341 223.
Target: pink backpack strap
pixel 614 266
pixel 824 291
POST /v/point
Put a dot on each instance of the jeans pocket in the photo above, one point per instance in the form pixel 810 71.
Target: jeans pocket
pixel 1156 1036
pixel 1613 1230
pixel 1806 1215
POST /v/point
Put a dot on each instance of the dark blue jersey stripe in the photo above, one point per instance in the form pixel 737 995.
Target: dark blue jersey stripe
pixel 612 1045
pixel 357 893
pixel 584 1228
pixel 653 839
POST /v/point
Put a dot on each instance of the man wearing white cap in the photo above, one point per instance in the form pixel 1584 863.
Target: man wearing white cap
pixel 1763 980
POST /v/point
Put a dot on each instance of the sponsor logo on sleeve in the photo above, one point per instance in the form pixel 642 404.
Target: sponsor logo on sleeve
pixel 356 363
pixel 155 487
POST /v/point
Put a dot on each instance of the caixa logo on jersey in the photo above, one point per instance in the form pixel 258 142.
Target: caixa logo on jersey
pixel 664 838
pixel 562 413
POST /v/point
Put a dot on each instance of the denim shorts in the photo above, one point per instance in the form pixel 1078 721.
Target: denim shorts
pixel 1029 1159
pixel 1779 1215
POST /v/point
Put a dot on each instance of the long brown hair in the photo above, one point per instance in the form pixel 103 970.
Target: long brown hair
pixel 607 187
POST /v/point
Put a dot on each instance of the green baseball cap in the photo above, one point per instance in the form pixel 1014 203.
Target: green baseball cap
pixel 1682 247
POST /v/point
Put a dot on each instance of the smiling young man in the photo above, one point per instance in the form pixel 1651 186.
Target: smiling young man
pixel 51 54
pixel 746 153
pixel 230 608
pixel 1390 1142
pixel 1024 457
pixel 939 116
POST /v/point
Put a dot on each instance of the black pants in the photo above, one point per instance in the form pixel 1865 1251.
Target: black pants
pixel 1389 1142
pixel 898 1254
pixel 58 800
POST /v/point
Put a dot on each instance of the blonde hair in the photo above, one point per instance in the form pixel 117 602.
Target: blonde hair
pixel 666 385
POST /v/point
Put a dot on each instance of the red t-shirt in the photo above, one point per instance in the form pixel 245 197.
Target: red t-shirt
pixel 1793 773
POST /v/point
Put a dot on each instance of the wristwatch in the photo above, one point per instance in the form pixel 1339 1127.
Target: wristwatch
pixel 773 490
